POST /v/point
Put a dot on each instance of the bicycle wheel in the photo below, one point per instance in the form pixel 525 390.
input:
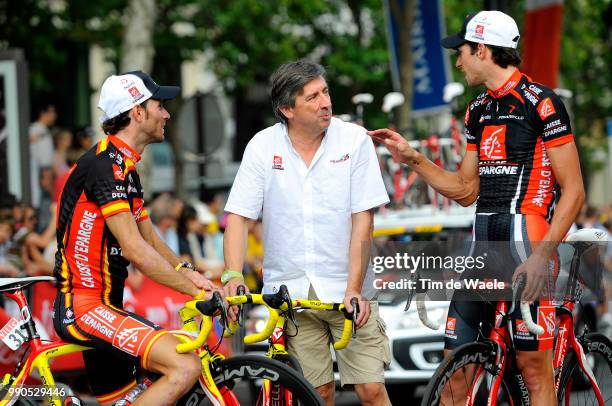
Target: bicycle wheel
pixel 277 390
pixel 468 371
pixel 239 374
pixel 574 386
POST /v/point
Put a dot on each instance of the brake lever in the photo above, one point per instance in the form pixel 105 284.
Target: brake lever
pixel 355 305
pixel 241 291
pixel 220 304
pixel 284 293
pixel 517 290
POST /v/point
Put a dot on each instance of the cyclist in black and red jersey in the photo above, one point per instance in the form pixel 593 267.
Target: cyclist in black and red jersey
pixel 102 227
pixel 520 145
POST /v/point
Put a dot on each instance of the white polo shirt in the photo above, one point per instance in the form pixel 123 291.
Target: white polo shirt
pixel 307 211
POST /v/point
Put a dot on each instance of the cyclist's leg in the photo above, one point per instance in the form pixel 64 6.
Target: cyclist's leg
pixel 180 372
pixel 462 325
pixel 363 361
pixel 311 347
pixel 119 334
pixel 535 353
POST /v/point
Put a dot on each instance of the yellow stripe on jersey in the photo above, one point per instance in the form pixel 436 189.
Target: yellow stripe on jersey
pixel 102 145
pixel 115 207
pixel 106 275
pixel 73 332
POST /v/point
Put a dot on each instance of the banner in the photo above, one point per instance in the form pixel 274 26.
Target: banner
pixel 431 64
pixel 542 40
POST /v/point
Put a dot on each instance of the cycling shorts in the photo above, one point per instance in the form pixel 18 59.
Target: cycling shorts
pixel 467 318
pixel 121 341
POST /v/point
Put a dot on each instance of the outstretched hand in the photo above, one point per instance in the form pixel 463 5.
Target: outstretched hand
pixel 398 146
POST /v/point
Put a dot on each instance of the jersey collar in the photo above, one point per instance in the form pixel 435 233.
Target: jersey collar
pixel 124 148
pixel 509 85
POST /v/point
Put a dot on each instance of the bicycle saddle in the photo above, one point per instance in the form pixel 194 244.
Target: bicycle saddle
pixel 592 235
pixel 8 284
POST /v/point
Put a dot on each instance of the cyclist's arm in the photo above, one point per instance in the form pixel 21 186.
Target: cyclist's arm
pixel 462 186
pixel 566 168
pixel 144 257
pixel 359 256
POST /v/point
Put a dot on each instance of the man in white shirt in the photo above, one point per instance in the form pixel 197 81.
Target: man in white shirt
pixel 315 181
pixel 41 146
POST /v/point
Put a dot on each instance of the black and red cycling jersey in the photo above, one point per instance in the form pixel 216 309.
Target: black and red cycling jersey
pixel 104 182
pixel 511 129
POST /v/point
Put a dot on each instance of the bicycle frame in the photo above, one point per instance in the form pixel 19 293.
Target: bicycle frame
pixel 38 358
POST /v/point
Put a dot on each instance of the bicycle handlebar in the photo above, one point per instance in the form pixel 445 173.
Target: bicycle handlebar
pixel 195 308
pixel 517 291
pixel 281 303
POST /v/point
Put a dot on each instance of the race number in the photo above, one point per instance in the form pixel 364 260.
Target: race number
pixel 12 334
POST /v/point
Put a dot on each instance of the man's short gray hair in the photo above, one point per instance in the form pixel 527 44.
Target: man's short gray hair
pixel 289 80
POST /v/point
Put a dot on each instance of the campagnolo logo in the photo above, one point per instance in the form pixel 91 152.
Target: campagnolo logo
pixel 247 371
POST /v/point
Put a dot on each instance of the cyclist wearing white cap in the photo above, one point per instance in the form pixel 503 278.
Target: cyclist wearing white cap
pixel 519 145
pixel 102 228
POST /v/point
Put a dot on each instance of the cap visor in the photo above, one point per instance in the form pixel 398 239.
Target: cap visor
pixel 452 42
pixel 166 92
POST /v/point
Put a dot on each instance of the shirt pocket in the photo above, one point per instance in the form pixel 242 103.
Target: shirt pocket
pixel 337 186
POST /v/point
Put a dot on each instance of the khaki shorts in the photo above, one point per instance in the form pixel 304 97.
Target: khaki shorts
pixel 362 361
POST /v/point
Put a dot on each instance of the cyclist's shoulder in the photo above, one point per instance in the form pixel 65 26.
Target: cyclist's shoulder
pixel 480 100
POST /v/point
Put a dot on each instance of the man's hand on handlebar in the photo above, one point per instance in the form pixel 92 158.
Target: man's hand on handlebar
pixel 231 289
pixel 200 281
pixel 364 307
pixel 536 271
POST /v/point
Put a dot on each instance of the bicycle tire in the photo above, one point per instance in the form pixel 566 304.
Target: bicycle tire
pixel 598 351
pixel 235 374
pixel 481 357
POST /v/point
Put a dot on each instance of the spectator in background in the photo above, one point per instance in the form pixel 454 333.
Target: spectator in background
pixel 161 212
pixel 592 219
pixel 62 140
pixel 83 140
pixel 197 243
pixel 41 145
pixel 7 269
pixel 47 189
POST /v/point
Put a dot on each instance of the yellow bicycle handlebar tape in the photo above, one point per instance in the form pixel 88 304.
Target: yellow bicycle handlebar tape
pixel 267 331
pixel 346 335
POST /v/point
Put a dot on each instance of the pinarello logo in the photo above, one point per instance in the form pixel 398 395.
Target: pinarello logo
pixel 451 323
pixel 479 30
pixel 546 108
pixel 118 173
pixel 493 143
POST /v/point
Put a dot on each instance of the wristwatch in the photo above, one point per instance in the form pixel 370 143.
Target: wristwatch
pixel 185 264
pixel 229 274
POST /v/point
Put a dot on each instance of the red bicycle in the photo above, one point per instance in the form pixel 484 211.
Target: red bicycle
pixel 485 372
